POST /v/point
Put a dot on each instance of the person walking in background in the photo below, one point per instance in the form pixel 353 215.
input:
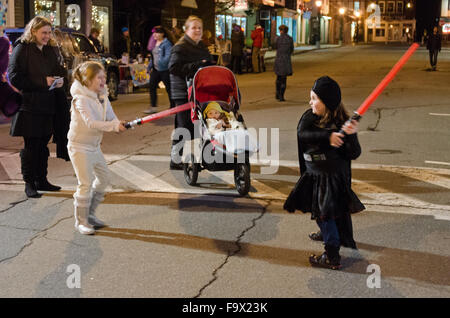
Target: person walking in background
pixel 94 38
pixel 283 66
pixel 434 47
pixel 257 37
pixel 237 48
pixel 159 66
pixel 92 115
pixel 33 69
pixel 186 57
pixel 325 155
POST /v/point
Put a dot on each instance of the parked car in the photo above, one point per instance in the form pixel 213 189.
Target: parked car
pixel 75 48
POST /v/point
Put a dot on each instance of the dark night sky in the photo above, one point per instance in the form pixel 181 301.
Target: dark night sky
pixel 427 11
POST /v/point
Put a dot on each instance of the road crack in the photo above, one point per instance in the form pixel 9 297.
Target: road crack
pixel 12 205
pixel 232 253
pixel 378 112
pixel 41 233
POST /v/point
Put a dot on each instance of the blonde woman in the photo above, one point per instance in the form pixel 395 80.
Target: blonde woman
pixel 32 69
pixel 186 57
pixel 92 115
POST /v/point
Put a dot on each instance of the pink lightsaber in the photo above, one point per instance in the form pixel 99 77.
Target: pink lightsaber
pixel 159 115
pixel 386 80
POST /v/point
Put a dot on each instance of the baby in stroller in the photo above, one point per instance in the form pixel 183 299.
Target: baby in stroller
pixel 227 130
pixel 218 120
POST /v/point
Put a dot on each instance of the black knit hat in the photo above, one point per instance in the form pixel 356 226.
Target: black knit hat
pixel 328 91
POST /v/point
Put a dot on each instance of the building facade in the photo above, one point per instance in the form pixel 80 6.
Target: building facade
pixel 80 15
pixel 372 21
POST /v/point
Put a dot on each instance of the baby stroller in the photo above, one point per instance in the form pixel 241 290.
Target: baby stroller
pixel 227 150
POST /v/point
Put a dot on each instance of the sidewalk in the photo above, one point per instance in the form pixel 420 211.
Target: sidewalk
pixel 301 49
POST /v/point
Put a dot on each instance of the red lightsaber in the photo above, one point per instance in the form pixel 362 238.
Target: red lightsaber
pixel 162 114
pixel 387 79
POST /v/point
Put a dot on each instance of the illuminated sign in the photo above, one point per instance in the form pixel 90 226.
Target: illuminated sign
pixel 446 28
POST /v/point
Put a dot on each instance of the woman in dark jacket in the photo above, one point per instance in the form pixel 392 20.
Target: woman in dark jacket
pixel 325 155
pixel 159 66
pixel 434 47
pixel 283 66
pixel 237 47
pixel 33 69
pixel 187 56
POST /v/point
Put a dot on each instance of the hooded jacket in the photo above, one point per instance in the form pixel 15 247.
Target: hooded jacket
pixel 91 116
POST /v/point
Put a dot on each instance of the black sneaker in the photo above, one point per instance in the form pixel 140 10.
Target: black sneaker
pixel 324 261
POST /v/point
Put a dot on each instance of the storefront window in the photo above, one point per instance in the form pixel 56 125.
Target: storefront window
pixel 100 21
pixel 3 12
pixel 229 26
pixel 48 9
pixel 220 26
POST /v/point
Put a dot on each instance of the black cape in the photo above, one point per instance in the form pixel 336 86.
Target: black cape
pixel 324 187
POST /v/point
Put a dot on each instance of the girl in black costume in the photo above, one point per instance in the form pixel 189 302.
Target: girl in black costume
pixel 325 155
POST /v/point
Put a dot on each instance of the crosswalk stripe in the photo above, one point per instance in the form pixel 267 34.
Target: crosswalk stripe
pixel 142 179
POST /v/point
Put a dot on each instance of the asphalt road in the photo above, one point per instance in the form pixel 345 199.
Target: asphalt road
pixel 167 239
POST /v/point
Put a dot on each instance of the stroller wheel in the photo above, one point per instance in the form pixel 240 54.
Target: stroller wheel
pixel 191 170
pixel 242 178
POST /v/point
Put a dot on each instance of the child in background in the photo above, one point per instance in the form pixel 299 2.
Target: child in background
pixel 92 115
pixel 325 155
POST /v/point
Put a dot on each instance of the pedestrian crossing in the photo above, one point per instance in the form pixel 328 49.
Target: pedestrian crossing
pixel 385 188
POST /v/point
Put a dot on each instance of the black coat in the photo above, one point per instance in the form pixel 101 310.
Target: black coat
pixel 28 69
pixel 186 57
pixel 324 188
pixel 285 47
pixel 434 42
pixel 237 43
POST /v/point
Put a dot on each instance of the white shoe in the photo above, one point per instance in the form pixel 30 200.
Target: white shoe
pixel 85 230
pixel 81 224
pixel 149 111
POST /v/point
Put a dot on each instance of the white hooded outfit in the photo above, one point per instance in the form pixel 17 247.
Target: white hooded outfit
pixel 91 115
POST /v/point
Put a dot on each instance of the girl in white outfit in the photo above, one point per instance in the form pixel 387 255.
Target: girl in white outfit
pixel 92 115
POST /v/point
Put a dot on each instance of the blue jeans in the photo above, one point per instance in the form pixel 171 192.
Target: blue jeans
pixel 330 232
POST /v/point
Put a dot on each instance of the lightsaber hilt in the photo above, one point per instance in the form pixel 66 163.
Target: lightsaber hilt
pixel 356 116
pixel 133 123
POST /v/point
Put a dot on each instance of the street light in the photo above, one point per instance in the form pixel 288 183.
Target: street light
pixel 341 34
pixel 318 5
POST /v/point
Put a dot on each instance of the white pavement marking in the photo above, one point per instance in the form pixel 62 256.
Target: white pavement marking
pixel 377 198
pixel 140 178
pixel 438 163
pixel 437 114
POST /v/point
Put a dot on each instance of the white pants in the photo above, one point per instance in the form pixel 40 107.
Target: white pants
pixel 92 174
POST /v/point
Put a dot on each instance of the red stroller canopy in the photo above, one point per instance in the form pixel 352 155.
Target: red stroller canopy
pixel 216 83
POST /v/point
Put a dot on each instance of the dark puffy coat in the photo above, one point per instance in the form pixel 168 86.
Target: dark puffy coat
pixel 237 43
pixel 186 57
pixel 285 47
pixel 28 69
